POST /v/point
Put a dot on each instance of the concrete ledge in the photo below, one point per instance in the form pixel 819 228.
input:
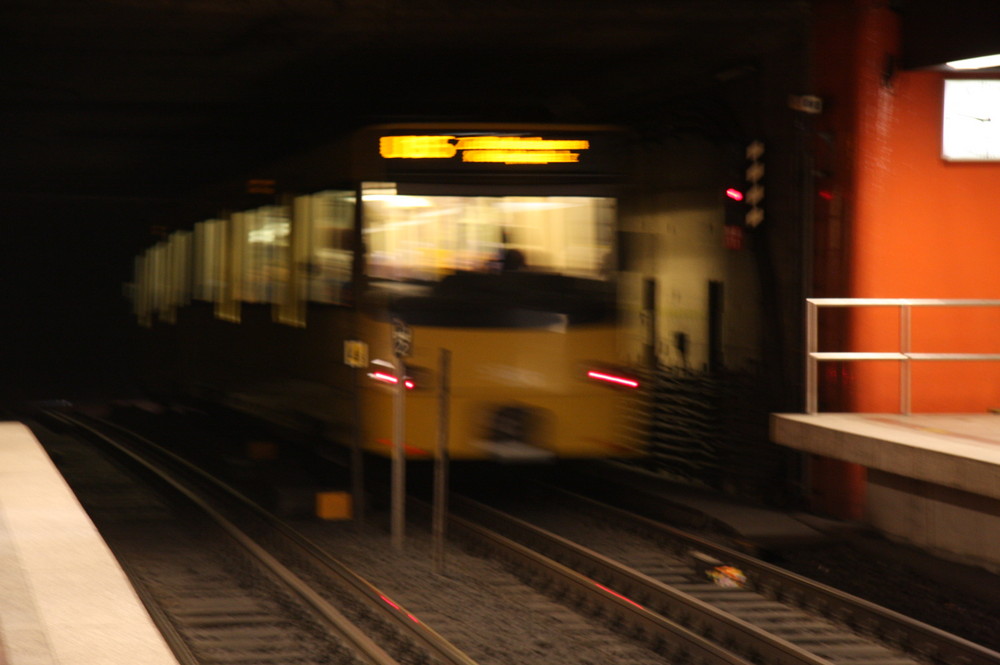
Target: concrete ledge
pixel 956 451
pixel 63 596
pixel 946 522
pixel 933 480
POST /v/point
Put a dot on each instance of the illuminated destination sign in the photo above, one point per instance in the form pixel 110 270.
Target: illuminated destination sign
pixel 484 149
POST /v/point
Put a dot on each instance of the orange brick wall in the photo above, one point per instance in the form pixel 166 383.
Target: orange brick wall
pixel 923 228
pixel 894 220
pixel 898 221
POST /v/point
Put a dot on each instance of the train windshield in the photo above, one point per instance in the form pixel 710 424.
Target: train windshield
pixel 427 238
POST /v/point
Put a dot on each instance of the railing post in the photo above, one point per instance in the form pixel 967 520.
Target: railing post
pixel 812 344
pixel 904 368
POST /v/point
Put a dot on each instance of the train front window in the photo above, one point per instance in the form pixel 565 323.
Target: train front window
pixel 426 238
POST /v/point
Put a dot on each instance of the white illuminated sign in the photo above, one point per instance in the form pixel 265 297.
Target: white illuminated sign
pixel 971 127
pixel 982 62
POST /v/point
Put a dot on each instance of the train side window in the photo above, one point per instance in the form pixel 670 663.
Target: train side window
pixel 141 290
pixel 291 309
pixel 162 281
pixel 265 254
pixel 227 307
pixel 208 260
pixel 156 265
pixel 177 275
pixel 330 224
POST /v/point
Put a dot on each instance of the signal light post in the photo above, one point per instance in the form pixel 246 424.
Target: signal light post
pixel 735 210
pixel 744 201
pixel 755 181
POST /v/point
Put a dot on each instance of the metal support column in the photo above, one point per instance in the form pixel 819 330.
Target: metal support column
pixel 441 462
pixel 398 518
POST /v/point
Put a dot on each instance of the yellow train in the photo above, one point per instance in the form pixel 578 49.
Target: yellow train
pixel 339 271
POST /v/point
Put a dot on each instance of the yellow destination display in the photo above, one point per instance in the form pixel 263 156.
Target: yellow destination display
pixel 491 149
pixel 417 147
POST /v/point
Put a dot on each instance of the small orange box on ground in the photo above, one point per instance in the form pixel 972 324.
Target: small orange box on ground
pixel 333 505
pixel 262 450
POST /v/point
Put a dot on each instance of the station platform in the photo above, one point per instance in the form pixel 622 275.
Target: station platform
pixel 64 600
pixel 933 479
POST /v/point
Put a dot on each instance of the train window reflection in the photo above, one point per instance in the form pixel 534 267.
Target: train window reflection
pixel 428 237
pixel 209 239
pixel 143 288
pixel 330 218
pixel 178 280
pixel 265 254
pixel 162 281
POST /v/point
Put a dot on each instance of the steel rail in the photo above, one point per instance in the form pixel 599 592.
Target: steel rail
pixel 699 617
pixel 894 628
pixel 663 634
pixel 372 652
pixel 362 644
pixel 171 635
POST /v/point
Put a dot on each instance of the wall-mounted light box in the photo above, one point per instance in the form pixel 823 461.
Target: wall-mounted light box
pixel 971 128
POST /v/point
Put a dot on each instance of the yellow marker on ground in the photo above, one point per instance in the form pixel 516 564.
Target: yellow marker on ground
pixel 333 505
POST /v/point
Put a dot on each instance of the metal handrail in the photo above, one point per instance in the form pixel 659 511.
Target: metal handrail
pixel 904 355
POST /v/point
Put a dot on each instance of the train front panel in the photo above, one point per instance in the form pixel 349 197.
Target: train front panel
pixel 514 395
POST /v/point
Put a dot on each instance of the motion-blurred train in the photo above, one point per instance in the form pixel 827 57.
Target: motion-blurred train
pixel 355 266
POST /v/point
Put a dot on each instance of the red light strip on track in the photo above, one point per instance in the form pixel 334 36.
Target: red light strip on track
pixel 611 378
pixel 618 595
pixel 396 606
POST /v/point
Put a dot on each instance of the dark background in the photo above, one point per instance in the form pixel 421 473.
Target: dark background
pixel 115 112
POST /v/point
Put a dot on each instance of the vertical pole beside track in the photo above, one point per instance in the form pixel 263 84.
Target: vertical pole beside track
pixel 358 282
pixel 812 370
pixel 357 457
pixel 441 462
pixel 399 456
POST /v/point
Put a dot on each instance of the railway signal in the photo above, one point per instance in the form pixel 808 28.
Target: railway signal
pixel 744 201
pixel 734 202
pixel 402 338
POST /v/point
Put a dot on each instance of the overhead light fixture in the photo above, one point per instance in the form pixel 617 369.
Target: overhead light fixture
pixel 981 62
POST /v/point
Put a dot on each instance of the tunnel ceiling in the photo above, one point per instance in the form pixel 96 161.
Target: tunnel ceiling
pixel 936 32
pixel 144 97
pixel 148 97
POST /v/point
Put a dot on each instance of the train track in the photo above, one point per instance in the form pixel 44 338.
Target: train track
pixel 647 597
pixel 204 623
pixel 261 593
pixel 632 633
pixel 766 614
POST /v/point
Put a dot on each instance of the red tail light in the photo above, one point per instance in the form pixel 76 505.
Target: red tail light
pixel 391 380
pixel 612 378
